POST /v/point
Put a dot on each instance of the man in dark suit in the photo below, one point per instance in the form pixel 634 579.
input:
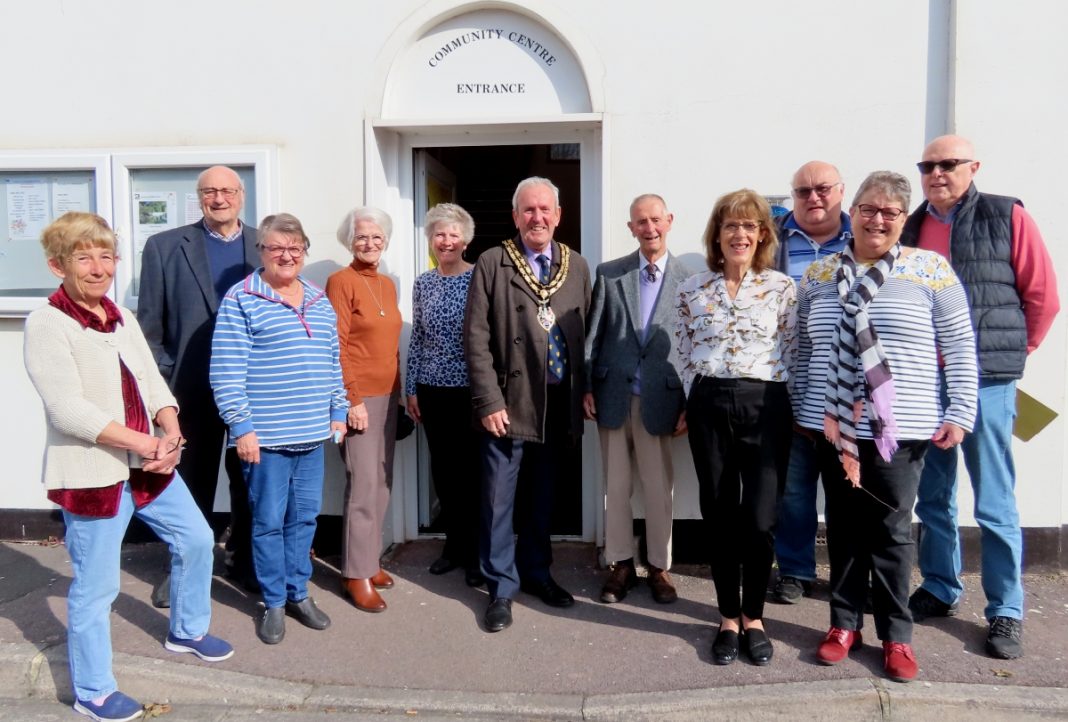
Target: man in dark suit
pixel 524 333
pixel 635 395
pixel 185 272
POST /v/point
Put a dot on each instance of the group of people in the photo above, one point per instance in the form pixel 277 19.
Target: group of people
pixel 860 346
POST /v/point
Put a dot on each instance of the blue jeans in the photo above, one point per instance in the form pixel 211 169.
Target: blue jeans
pixel 795 530
pixel 95 544
pixel 988 458
pixel 285 492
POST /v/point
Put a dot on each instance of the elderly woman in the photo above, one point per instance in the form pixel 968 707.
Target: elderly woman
pixel 369 326
pixel 437 387
pixel 874 319
pixel 735 335
pixel 112 444
pixel 276 374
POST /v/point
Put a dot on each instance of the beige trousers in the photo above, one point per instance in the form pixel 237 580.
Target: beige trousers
pixel 625 450
pixel 369 465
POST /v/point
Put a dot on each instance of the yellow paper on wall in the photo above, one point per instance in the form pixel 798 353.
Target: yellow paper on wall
pixel 1031 416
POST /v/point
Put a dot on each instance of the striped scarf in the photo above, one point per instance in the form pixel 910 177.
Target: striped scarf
pixel 857 344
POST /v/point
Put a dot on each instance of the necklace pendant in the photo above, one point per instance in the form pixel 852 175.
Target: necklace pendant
pixel 546 317
pixel 381 312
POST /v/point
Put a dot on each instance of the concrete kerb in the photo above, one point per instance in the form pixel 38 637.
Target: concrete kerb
pixel 27 672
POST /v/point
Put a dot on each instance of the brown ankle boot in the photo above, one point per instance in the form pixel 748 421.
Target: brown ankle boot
pixel 381 580
pixel 363 595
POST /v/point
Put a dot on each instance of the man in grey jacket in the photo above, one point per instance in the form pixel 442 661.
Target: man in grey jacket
pixel 635 395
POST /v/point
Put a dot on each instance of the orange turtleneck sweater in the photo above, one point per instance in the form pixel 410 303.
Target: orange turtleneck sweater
pixel 368 329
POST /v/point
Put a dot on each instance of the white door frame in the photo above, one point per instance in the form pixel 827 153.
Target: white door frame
pixel 389 183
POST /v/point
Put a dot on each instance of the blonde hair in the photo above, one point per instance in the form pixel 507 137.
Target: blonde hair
pixel 73 231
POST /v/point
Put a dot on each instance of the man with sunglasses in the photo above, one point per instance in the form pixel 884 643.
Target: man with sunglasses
pixel 996 249
pixel 185 272
pixel 816 227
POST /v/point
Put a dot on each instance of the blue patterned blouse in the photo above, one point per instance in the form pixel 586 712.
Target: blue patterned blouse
pixel 436 347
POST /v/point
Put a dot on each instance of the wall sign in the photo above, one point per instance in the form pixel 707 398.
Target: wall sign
pixel 488 62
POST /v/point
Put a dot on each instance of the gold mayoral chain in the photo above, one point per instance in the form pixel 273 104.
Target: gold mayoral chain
pixel 543 291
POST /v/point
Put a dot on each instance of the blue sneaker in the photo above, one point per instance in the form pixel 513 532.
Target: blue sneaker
pixel 208 648
pixel 117 707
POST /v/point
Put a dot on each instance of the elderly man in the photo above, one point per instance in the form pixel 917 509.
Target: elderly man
pixel 184 274
pixel 524 330
pixel 816 227
pixel 996 249
pixel 635 395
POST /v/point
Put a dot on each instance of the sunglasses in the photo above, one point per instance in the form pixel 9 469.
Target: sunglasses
pixel 928 166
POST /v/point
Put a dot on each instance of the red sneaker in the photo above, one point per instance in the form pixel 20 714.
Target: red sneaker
pixel 899 662
pixel 837 645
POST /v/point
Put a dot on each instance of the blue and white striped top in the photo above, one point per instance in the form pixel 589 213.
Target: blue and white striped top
pixel 276 369
pixel 919 312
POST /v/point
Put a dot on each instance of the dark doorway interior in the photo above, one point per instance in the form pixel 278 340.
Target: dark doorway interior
pixel 486 177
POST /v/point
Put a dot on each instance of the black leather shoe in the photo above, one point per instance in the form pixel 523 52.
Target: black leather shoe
pixel 161 594
pixel 272 625
pixel 725 648
pixel 498 614
pixel 473 577
pixel 758 646
pixel 549 592
pixel 307 613
pixel 442 565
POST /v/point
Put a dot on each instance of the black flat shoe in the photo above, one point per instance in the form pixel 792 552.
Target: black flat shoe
pixel 549 592
pixel 473 577
pixel 725 648
pixel 758 646
pixel 272 625
pixel 308 613
pixel 442 565
pixel 498 614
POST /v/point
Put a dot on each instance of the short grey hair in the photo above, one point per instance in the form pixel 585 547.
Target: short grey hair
pixel 534 181
pixel 286 224
pixel 649 197
pixel 893 185
pixel 200 177
pixel 346 230
pixel 451 214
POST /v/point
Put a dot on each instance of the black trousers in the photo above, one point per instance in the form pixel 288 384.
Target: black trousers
pixel 205 432
pixel 872 539
pixel 454 466
pixel 740 434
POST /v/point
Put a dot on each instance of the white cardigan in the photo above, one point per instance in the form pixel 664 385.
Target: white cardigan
pixel 76 372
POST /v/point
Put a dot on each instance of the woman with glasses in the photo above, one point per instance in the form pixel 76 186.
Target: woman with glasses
pixel 369 326
pixel 111 447
pixel 276 374
pixel 734 338
pixel 876 321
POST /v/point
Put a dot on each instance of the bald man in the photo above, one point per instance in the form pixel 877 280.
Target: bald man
pixel 996 249
pixel 816 227
pixel 184 274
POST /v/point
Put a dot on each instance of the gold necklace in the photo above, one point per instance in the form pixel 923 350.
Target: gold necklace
pixel 381 311
pixel 542 291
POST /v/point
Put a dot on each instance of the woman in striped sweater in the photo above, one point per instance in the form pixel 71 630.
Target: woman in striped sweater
pixel 874 321
pixel 276 374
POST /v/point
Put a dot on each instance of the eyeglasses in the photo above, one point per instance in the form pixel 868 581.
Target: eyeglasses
pixel 376 240
pixel 224 192
pixel 747 226
pixel 888 214
pixel 945 165
pixel 176 443
pixel 279 251
pixel 823 190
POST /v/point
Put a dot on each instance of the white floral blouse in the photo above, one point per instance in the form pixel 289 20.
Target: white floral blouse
pixel 753 335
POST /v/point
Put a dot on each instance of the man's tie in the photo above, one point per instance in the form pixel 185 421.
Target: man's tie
pixel 557 345
pixel 650 272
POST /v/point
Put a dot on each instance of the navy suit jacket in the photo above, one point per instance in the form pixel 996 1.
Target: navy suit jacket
pixel 616 345
pixel 177 305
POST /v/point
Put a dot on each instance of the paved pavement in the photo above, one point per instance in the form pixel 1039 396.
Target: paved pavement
pixel 427 658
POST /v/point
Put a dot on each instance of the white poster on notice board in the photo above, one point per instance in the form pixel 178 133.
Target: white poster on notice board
pixel 153 212
pixel 70 196
pixel 27 209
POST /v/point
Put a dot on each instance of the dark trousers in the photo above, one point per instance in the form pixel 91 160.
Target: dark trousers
pixel 867 539
pixel 517 498
pixel 454 466
pixel 739 432
pixel 205 432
